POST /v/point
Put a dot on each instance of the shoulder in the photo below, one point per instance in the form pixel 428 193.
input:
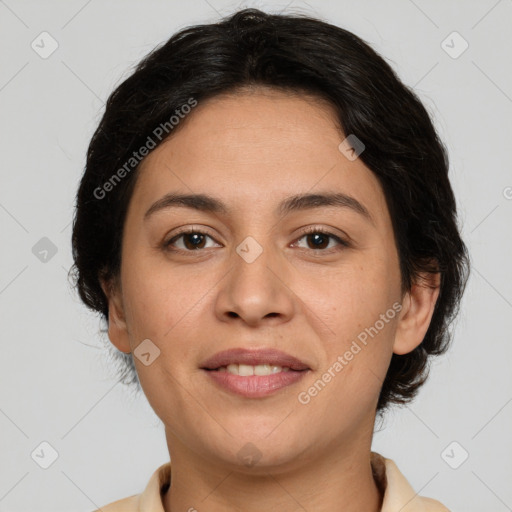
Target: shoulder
pixel 430 505
pixel 398 493
pixel 130 504
pixel 150 500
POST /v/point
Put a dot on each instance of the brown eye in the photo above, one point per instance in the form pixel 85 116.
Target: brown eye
pixel 192 240
pixel 318 239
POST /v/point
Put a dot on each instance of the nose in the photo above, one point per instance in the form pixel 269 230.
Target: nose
pixel 258 289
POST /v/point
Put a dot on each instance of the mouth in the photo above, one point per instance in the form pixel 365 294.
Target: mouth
pixel 246 370
pixel 258 360
pixel 254 373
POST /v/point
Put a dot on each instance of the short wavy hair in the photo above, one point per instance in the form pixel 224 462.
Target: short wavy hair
pixel 297 54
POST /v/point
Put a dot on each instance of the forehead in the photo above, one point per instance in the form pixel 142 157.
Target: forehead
pixel 237 125
pixel 255 148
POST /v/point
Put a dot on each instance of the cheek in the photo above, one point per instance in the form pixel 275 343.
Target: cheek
pixel 354 297
pixel 360 307
pixel 357 359
pixel 153 301
pixel 164 309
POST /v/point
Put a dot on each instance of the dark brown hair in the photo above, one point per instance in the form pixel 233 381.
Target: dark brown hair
pixel 298 54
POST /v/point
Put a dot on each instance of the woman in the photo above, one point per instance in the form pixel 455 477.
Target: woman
pixel 266 223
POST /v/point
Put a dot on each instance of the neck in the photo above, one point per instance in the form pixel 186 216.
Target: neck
pixel 332 479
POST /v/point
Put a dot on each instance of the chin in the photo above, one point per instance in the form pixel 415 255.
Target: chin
pixel 260 453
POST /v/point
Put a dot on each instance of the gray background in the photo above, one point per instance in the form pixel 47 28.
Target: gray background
pixel 56 383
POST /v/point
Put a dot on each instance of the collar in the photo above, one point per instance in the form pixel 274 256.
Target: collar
pixel 398 493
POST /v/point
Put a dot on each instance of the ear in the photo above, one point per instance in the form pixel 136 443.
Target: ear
pixel 417 310
pixel 117 329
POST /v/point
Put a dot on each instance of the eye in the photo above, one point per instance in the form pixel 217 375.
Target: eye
pixel 192 240
pixel 318 239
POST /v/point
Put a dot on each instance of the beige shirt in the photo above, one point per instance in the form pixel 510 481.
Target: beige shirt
pixel 399 496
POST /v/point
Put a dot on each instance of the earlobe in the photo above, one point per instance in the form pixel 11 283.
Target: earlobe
pixel 417 309
pixel 117 328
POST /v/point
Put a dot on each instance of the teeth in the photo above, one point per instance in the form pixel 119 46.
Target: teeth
pixel 265 369
pixel 246 370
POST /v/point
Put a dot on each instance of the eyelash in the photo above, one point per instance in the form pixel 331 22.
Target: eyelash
pixel 308 231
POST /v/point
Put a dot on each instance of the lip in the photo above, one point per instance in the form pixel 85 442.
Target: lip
pixel 254 357
pixel 254 386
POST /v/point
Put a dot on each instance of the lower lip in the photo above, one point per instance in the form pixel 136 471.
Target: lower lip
pixel 255 386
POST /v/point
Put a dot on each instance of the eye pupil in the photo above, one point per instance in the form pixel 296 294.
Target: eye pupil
pixel 319 237
pixel 197 238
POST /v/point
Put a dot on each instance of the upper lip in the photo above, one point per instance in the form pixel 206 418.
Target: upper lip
pixel 253 357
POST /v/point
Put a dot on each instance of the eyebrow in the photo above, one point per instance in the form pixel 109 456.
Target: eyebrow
pixel 300 202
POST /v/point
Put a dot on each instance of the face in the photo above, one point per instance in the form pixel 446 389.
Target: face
pixel 315 279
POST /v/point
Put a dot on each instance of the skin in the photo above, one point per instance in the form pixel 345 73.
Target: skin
pixel 252 150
